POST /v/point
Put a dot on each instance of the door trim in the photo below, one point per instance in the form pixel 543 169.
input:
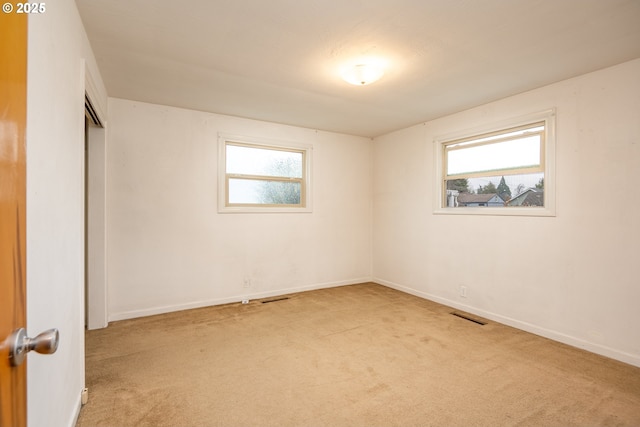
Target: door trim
pixel 95 216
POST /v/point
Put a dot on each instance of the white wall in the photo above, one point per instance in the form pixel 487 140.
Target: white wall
pixel 170 249
pixel 58 55
pixel 571 277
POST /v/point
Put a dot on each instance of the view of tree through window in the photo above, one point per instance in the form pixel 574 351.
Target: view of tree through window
pixel 279 192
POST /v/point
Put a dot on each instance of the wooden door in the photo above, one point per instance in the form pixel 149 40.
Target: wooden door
pixel 13 118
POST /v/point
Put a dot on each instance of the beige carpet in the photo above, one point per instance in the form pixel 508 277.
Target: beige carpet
pixel 361 355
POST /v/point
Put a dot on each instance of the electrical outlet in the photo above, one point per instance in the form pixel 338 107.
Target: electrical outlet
pixel 246 283
pixel 463 291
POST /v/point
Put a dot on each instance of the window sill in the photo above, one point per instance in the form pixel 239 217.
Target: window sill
pixel 262 210
pixel 515 211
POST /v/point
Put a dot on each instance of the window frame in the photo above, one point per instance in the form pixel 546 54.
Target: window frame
pixel 547 160
pixel 262 143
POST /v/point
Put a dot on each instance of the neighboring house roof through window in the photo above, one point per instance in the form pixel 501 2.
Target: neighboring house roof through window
pixel 529 197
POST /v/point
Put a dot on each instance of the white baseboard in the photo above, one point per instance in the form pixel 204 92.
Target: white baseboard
pixel 237 298
pixel 612 353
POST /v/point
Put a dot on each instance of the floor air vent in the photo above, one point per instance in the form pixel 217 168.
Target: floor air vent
pixel 469 318
pixel 274 300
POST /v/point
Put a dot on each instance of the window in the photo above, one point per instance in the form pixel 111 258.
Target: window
pixel 501 170
pixel 263 176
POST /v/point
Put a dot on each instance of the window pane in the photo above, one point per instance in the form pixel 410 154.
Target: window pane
pixel 496 191
pixel 263 161
pixel 249 191
pixel 518 153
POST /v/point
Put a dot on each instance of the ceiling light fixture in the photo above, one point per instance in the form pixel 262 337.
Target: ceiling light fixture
pixel 362 74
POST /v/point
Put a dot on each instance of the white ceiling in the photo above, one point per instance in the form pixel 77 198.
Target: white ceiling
pixel 279 60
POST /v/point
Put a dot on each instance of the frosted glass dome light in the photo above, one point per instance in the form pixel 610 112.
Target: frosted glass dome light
pixel 362 74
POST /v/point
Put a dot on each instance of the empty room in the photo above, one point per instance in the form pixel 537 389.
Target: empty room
pixel 320 213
